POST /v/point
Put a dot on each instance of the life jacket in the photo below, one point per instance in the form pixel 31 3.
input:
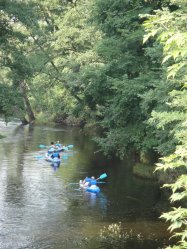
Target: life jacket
pixel 55 154
pixel 51 149
pixel 87 179
pixel 93 182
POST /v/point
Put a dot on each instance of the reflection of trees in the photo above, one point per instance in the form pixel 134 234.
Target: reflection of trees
pixel 15 156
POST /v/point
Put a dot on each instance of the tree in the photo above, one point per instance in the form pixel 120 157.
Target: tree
pixel 126 74
pixel 170 29
pixel 27 49
pixel 10 96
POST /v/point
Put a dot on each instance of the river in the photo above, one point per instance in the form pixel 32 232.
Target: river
pixel 43 208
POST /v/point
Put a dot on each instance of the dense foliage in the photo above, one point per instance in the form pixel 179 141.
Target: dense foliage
pixel 170 30
pixel 118 65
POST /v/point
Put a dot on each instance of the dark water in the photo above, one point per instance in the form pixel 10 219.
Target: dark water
pixel 41 208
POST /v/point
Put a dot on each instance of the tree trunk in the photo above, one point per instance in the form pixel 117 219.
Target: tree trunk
pixel 28 107
pixel 24 121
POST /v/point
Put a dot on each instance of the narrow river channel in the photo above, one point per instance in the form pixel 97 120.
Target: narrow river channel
pixel 44 209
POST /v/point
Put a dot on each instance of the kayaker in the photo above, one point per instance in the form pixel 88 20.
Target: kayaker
pixel 52 145
pixel 51 148
pixel 55 154
pixel 93 186
pixel 93 181
pixel 55 159
pixel 57 145
pixel 87 181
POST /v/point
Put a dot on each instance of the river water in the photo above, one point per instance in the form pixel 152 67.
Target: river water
pixel 42 208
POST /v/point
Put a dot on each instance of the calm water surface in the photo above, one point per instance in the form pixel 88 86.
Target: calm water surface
pixel 41 208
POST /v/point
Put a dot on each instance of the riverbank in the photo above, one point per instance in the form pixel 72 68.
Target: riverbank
pixel 145 171
pixel 44 118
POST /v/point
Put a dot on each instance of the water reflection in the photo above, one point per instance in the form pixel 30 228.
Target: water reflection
pixel 39 206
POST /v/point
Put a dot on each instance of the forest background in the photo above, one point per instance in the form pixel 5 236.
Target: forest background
pixel 118 68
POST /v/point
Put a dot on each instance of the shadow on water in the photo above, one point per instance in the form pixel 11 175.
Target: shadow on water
pixel 43 207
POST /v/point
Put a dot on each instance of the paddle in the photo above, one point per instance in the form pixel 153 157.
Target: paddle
pixel 65 157
pixel 70 146
pixel 67 147
pixel 103 176
pixel 39 157
pixel 75 183
pixel 43 146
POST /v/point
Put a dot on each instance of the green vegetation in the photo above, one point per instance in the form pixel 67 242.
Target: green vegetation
pixel 114 236
pixel 170 31
pixel 144 170
pixel 1 136
pixel 116 66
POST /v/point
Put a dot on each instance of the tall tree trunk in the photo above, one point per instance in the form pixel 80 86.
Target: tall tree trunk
pixel 28 107
pixel 19 113
pixel 24 121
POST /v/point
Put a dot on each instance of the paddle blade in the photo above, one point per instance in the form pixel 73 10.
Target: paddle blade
pixel 103 176
pixel 42 146
pixel 39 157
pixel 70 146
pixel 64 157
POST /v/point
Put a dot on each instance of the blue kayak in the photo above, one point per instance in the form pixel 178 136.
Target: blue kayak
pixel 54 161
pixel 93 189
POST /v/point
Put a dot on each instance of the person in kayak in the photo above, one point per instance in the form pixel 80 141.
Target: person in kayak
pixel 58 145
pixel 51 147
pixel 93 186
pixel 55 154
pixel 87 181
pixel 93 181
pixel 56 159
